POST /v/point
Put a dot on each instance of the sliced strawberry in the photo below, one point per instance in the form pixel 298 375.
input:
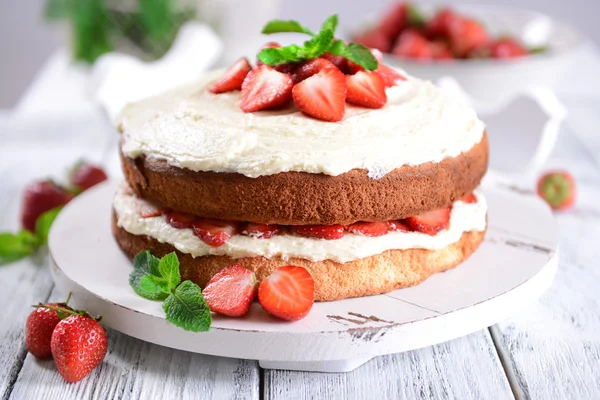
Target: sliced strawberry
pixel 148 210
pixel 371 229
pixel 465 35
pixel 558 189
pixel 260 231
pixel 412 44
pixel 354 67
pixel 328 232
pixel 375 39
pixel 399 226
pixel 507 48
pixel 231 291
pixel 40 197
pixel 430 222
pixel 233 78
pixel 265 88
pixel 311 68
pixel 213 232
pixel 395 20
pixel 180 220
pixel 340 62
pixel 389 75
pixel 288 293
pixel 366 89
pixel 439 25
pixel 322 95
pixel 469 199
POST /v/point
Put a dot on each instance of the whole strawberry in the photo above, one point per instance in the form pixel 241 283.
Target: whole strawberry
pixel 39 327
pixel 78 346
pixel 40 197
pixel 84 176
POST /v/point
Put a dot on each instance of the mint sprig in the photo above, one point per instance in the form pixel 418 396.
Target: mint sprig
pixel 321 42
pixel 159 279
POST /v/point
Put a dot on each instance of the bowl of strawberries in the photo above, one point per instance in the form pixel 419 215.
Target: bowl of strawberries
pixel 494 53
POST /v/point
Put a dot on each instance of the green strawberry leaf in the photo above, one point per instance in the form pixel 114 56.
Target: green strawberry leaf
pixel 157 288
pixel 144 264
pixel 169 270
pixel 43 224
pixel 186 308
pixel 279 26
pixel 15 247
pixel 415 17
pixel 355 52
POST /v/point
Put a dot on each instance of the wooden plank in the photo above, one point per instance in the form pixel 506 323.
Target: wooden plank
pixel 134 369
pixel 465 368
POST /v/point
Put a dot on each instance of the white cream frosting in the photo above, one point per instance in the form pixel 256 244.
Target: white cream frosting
pixel 195 129
pixel 464 218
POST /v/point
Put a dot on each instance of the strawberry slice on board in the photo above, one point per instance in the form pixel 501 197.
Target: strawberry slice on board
pixel 389 75
pixel 469 199
pixel 558 189
pixel 399 226
pixel 260 231
pixel 180 220
pixel 40 197
pixel 371 229
pixel 214 233
pixel 310 68
pixel 430 222
pixel 231 291
pixel 265 88
pixel 288 293
pixel 366 89
pixel 233 77
pixel 323 95
pixel 327 232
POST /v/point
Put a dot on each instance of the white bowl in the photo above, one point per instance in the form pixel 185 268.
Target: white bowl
pixel 495 82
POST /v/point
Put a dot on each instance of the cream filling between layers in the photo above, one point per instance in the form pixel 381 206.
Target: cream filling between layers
pixel 464 218
pixel 195 129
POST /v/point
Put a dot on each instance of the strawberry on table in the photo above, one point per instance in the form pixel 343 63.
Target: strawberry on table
pixel 328 232
pixel 366 89
pixel 233 77
pixel 85 175
pixel 39 327
pixel 260 231
pixel 372 229
pixel 412 44
pixel 430 222
pixel 322 95
pixel 214 232
pixel 180 220
pixel 231 291
pixel 288 293
pixel 40 197
pixel 78 346
pixel 507 48
pixel 265 88
pixel 558 189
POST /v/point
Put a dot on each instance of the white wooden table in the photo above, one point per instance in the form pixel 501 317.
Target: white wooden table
pixel 550 350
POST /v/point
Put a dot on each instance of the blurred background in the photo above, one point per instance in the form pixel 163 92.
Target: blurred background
pixel 27 38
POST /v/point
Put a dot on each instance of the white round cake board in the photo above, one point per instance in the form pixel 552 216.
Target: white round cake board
pixel 511 269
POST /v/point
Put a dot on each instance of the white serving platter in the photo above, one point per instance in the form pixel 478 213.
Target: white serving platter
pixel 511 269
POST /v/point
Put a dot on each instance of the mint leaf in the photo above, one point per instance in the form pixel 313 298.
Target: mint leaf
pixel 186 308
pixel 278 26
pixel 283 55
pixel 144 264
pixel 319 44
pixel 330 23
pixel 169 270
pixel 355 52
pixel 155 287
pixel 43 224
pixel 15 247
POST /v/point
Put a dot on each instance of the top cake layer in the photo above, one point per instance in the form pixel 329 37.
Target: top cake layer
pixel 192 128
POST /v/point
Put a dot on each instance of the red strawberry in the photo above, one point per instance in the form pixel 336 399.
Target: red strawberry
pixel 39 327
pixel 375 39
pixel 288 293
pixel 340 62
pixel 389 75
pixel 394 21
pixel 78 346
pixel 265 88
pixel 260 231
pixel 399 226
pixel 366 89
pixel 214 232
pixel 231 291
pixel 558 189
pixel 507 48
pixel 233 77
pixel 311 68
pixel 180 220
pixel 40 197
pixel 148 210
pixel 84 176
pixel 322 95
pixel 372 229
pixel 377 54
pixel 439 25
pixel 412 44
pixel 466 35
pixel 329 232
pixel 430 222
pixel 469 199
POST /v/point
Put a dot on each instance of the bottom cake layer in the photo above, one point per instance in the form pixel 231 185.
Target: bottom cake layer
pixel 381 273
